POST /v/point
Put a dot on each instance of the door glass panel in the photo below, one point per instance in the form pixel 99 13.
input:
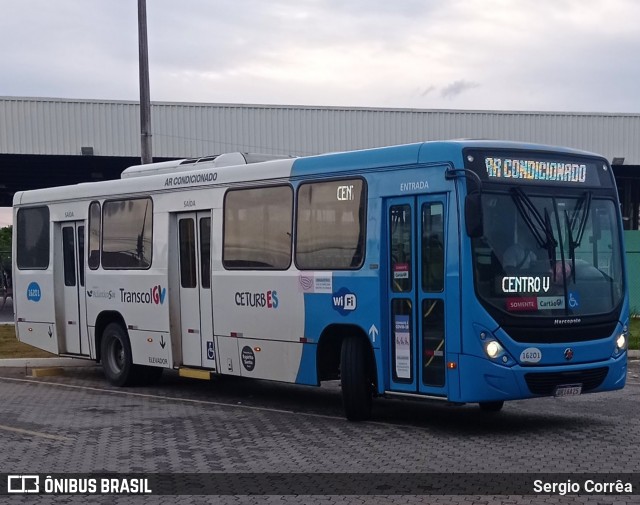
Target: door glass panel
pixel 205 252
pixel 187 241
pixel 81 254
pixel 400 227
pixel 433 360
pixel 68 246
pixel 432 247
pixel 94 235
pixel 402 340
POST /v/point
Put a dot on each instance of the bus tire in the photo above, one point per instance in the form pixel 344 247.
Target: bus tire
pixel 491 406
pixel 117 361
pixel 357 389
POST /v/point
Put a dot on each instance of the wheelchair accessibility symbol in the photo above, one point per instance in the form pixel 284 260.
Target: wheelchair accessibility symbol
pixel 210 352
pixel 574 300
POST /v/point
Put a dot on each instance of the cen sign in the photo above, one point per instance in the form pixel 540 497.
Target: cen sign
pixel 345 193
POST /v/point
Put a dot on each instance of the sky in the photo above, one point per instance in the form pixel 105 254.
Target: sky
pixel 552 55
pixel 567 55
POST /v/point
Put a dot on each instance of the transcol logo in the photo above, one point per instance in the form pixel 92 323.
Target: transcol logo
pixel 154 295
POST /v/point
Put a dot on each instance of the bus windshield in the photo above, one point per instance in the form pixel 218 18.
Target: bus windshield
pixel 548 255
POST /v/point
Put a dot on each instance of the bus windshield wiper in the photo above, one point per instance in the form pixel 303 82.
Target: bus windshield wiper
pixel 551 241
pixel 540 228
pixel 582 209
pixel 577 225
pixel 573 243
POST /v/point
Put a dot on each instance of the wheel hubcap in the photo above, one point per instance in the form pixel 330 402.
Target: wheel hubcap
pixel 117 355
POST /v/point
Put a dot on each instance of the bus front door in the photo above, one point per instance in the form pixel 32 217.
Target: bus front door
pixel 72 310
pixel 416 286
pixel 196 314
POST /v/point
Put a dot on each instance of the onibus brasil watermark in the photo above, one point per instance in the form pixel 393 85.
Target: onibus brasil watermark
pixel 241 483
pixel 34 484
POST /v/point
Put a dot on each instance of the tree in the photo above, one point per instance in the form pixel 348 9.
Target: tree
pixel 5 247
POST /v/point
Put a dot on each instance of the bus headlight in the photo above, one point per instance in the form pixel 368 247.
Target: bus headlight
pixel 621 343
pixel 623 340
pixel 493 349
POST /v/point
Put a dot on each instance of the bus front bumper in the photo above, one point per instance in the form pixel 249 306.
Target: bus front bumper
pixel 482 380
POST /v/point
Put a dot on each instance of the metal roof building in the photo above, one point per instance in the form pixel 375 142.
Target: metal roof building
pixel 49 141
pixel 52 126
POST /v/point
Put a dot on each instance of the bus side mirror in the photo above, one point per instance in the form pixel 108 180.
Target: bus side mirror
pixel 473 214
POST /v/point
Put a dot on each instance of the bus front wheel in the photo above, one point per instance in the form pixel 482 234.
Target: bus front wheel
pixel 357 389
pixel 117 361
pixel 491 406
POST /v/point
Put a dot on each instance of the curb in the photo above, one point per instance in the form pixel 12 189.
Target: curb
pixel 46 362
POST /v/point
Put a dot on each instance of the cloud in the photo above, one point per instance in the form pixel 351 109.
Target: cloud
pixel 495 54
pixel 456 88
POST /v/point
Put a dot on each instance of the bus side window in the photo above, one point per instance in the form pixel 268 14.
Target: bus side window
pixel 257 228
pixel 33 238
pixel 331 225
pixel 127 228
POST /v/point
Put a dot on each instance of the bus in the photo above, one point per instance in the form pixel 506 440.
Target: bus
pixel 461 271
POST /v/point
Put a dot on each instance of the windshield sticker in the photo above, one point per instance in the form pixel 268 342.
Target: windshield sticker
pixel 528 304
pixel 521 304
pixel 550 302
pixel 574 300
pixel 525 284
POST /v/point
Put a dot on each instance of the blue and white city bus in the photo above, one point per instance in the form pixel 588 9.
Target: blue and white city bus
pixel 464 271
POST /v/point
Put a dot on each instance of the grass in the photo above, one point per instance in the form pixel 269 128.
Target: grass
pixel 11 348
pixel 634 330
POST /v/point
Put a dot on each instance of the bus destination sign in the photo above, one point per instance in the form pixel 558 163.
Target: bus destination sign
pixel 522 167
pixel 535 170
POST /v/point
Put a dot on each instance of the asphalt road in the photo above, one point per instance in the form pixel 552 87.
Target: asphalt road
pixel 77 423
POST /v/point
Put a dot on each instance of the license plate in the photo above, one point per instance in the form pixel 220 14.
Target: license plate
pixel 568 390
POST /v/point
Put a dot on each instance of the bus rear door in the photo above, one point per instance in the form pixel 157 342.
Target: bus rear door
pixel 416 285
pixel 72 310
pixel 196 315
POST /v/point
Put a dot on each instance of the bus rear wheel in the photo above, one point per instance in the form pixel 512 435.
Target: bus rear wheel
pixel 491 406
pixel 357 389
pixel 117 361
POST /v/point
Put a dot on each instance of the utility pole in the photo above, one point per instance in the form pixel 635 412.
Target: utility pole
pixel 145 100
